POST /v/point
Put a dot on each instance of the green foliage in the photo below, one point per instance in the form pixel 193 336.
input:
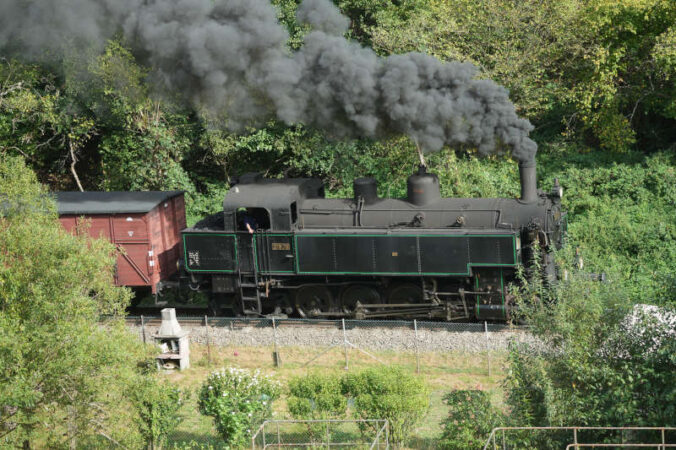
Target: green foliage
pixel 238 401
pixel 600 68
pixel 157 404
pixel 621 216
pixel 592 367
pixel 316 397
pixel 62 373
pixel 388 393
pixel 471 418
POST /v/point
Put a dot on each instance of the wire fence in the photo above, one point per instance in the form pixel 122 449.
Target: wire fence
pixel 267 322
pixel 303 342
pixel 360 434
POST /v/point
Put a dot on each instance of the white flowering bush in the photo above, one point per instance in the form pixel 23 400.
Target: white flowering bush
pixel 239 402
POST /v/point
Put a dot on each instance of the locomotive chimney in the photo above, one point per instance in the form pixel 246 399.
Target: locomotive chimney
pixel 528 181
pixel 423 187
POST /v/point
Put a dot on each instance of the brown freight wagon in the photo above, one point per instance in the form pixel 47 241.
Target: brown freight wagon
pixel 147 225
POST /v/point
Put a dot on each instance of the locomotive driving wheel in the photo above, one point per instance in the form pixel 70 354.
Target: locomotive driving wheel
pixel 312 300
pixel 401 293
pixel 358 293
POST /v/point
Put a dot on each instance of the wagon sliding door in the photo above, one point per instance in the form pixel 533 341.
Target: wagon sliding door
pixel 132 264
pixel 130 235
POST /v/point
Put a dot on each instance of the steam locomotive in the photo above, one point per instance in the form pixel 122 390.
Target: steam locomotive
pixel 281 247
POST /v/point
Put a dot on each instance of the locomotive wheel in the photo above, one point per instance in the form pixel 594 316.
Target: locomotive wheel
pixel 404 293
pixel 358 293
pixel 311 300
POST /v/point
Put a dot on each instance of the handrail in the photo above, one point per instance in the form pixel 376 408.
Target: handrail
pixel 491 437
pixel 658 446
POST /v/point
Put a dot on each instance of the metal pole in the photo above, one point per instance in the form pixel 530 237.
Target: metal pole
pixel 347 364
pixel 488 352
pixel 274 336
pixel 206 331
pixel 143 329
pixel 417 355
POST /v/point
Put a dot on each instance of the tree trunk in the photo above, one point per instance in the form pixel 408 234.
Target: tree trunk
pixel 72 166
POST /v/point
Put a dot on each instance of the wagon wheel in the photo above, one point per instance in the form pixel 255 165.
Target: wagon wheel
pixel 358 293
pixel 311 300
pixel 405 293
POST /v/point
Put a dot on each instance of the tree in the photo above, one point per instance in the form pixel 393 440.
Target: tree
pixel 62 372
pixel 598 69
pixel 599 361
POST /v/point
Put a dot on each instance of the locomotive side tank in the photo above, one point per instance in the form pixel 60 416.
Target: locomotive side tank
pixel 422 256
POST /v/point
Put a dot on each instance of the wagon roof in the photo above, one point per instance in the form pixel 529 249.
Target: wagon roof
pixel 95 202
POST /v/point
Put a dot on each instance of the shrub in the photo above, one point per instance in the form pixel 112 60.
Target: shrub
pixel 157 405
pixel 316 397
pixel 470 420
pixel 388 393
pixel 238 401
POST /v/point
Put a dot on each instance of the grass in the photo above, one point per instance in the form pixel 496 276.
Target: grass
pixel 442 371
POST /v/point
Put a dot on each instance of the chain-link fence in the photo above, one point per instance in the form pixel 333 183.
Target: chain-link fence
pixel 360 434
pixel 381 341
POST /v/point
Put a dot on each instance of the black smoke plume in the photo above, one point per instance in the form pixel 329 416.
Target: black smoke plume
pixel 229 58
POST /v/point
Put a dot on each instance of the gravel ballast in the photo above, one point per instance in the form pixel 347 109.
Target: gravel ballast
pixel 374 338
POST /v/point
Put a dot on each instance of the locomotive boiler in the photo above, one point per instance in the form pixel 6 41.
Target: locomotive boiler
pixel 281 247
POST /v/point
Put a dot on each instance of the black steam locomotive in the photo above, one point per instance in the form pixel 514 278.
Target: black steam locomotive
pixel 280 247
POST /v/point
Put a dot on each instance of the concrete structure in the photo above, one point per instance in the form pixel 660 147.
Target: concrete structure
pixel 173 342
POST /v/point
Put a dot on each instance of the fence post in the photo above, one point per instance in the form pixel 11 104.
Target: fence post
pixel 275 357
pixel 143 329
pixel 488 350
pixel 347 364
pixel 206 331
pixel 417 355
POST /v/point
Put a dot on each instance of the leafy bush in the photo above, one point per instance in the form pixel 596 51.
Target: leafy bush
pixel 592 367
pixel 157 405
pixel 470 420
pixel 238 401
pixel 388 393
pixel 316 397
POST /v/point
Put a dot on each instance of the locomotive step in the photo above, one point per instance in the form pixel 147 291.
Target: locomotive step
pixel 248 285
